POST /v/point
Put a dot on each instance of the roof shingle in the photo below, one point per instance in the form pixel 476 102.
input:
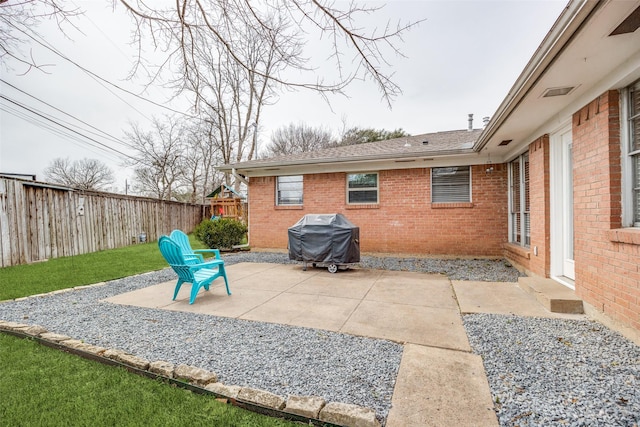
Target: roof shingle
pixel 431 144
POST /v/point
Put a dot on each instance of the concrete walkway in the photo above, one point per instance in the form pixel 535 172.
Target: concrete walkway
pixel 440 382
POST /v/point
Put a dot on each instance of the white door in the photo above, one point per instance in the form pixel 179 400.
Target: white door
pixel 568 267
pixel 561 182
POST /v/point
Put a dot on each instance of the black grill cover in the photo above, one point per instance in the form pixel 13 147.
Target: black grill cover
pixel 324 238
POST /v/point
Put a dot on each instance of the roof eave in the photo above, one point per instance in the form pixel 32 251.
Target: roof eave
pixel 467 156
pixel 332 160
pixel 575 14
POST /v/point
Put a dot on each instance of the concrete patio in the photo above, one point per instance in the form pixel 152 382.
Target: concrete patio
pixel 440 382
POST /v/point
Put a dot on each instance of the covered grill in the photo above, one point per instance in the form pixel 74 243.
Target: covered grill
pixel 327 239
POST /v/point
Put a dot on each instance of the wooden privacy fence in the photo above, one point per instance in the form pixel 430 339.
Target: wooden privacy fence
pixel 39 221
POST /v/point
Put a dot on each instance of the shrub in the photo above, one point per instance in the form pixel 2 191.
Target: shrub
pixel 221 233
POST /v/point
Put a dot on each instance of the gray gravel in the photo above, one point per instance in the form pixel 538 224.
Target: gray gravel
pixel 281 359
pixel 557 372
pixel 488 270
pixel 541 371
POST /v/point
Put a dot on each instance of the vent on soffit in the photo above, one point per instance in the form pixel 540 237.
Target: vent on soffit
pixel 505 142
pixel 629 25
pixel 558 91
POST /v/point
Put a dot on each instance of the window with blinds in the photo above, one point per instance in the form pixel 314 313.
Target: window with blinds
pixel 519 215
pixel 289 190
pixel 451 185
pixel 634 150
pixel 362 188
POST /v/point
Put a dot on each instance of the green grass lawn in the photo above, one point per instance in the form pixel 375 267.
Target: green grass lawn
pixel 40 386
pixel 60 273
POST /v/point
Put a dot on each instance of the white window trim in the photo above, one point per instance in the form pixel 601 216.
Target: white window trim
pixel 289 204
pixel 523 213
pixel 626 160
pixel 376 188
pixel 470 184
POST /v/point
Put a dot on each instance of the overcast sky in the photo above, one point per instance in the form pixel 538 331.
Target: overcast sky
pixel 462 59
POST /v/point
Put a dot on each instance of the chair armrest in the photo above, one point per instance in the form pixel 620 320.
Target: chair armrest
pixel 214 251
pixel 193 257
pixel 208 264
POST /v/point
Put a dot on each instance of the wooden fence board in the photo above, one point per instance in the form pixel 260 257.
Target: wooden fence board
pixel 65 225
pixel 14 231
pixel 22 222
pixel 5 244
pixel 65 235
pixel 40 221
pixel 50 232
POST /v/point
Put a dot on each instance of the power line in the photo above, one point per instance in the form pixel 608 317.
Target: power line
pixel 113 138
pixel 91 73
pixel 100 79
pixel 36 121
pixel 75 139
pixel 63 126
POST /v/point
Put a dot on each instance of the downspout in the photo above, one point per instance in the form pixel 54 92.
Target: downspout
pixel 245 181
pixel 239 177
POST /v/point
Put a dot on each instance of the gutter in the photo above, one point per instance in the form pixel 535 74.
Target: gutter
pixel 572 19
pixel 303 162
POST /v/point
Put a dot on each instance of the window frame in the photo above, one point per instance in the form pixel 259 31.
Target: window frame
pixel 630 172
pixel 522 218
pixel 279 202
pixel 351 190
pixel 470 185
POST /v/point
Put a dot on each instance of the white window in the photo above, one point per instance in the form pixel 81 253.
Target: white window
pixel 362 188
pixel 519 216
pixel 289 190
pixel 451 185
pixel 631 157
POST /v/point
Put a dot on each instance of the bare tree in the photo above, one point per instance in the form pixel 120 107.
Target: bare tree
pixel 200 156
pixel 159 160
pixel 232 98
pixel 85 174
pixel 175 159
pixel 19 21
pixel 235 55
pixel 298 138
pixel 355 51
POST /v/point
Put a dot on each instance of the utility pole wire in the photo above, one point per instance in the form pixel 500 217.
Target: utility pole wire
pixel 113 138
pixel 63 126
pixel 91 73
pixel 74 139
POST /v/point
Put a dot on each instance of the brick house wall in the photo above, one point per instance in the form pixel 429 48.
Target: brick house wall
pixel 539 207
pixel 404 220
pixel 607 258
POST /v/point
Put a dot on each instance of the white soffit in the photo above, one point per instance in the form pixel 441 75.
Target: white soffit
pixel 370 166
pixel 592 63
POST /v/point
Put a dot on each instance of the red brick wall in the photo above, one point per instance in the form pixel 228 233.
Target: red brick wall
pixel 539 205
pixel 404 221
pixel 607 258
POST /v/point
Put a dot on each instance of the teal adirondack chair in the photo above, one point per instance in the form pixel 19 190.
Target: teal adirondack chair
pixel 200 275
pixel 191 256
